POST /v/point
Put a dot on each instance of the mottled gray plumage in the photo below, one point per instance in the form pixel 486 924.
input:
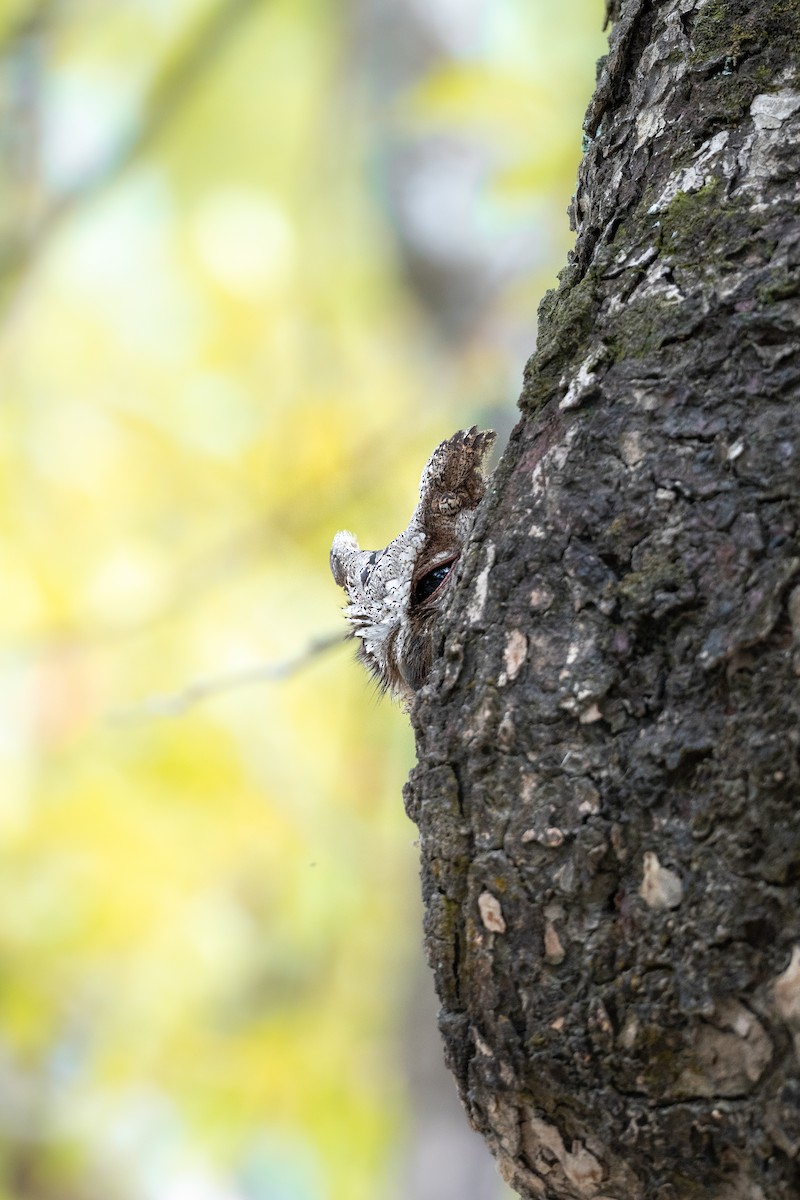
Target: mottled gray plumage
pixel 394 595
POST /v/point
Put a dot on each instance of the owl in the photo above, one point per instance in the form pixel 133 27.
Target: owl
pixel 395 595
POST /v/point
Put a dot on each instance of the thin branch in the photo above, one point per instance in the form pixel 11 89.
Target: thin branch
pixel 167 97
pixel 217 564
pixel 174 704
pixel 32 22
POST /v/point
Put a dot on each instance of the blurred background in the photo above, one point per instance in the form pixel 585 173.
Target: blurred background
pixel 257 258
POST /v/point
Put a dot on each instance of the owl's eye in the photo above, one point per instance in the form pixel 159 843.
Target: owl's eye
pixel 429 583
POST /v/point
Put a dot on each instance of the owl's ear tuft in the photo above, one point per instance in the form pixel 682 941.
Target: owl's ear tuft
pixel 345 545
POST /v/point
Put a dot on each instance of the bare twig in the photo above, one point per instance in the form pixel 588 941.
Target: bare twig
pixel 174 704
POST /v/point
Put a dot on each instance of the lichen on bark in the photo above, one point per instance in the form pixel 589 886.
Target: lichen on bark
pixel 608 779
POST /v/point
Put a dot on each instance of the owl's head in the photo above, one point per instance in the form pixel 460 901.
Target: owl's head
pixel 395 594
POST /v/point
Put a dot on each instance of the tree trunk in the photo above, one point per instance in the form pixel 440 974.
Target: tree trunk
pixel 608 787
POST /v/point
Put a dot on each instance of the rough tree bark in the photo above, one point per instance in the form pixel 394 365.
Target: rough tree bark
pixel 608 788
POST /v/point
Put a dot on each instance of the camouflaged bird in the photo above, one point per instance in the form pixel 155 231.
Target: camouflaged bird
pixel 395 595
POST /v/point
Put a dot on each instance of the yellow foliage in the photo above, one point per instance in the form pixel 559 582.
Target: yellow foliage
pixel 211 359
